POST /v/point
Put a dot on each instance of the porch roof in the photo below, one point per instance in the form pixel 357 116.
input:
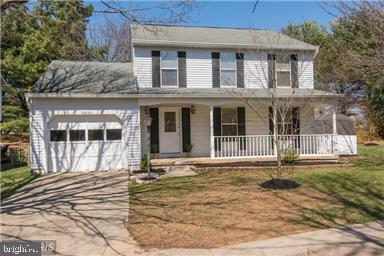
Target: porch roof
pixel 198 93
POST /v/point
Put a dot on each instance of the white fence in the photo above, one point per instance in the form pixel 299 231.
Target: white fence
pixel 263 145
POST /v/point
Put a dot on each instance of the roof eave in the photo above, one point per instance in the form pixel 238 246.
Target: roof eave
pixel 164 43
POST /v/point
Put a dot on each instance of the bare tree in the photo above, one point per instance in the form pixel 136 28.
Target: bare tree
pixel 272 73
pixel 164 12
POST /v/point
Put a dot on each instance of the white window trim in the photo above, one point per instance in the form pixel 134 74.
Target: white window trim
pixel 284 70
pixel 236 123
pixel 177 71
pixel 224 85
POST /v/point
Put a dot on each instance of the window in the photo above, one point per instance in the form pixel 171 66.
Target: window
pixel 229 121
pixel 113 134
pixel 77 135
pixel 228 69
pixel 58 135
pixel 168 68
pixel 283 70
pixel 284 121
pixel 169 121
pixel 95 135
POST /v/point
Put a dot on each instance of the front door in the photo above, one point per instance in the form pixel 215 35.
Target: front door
pixel 169 130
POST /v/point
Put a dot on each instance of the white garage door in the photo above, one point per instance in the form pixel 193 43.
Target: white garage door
pixel 85 143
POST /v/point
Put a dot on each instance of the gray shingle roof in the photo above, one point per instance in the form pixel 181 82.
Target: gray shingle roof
pixel 214 37
pixel 86 77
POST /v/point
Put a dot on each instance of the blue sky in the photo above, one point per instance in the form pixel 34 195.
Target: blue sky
pixel 268 14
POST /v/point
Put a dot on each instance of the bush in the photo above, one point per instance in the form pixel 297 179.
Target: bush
pixel 154 148
pixel 144 162
pixel 290 156
pixel 188 148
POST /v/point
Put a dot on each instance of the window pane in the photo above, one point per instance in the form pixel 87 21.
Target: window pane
pixel 113 134
pixel 229 130
pixel 228 77
pixel 228 60
pixel 76 135
pixel 168 59
pixel 169 77
pixel 229 115
pixel 283 78
pixel 95 135
pixel 58 135
pixel 169 121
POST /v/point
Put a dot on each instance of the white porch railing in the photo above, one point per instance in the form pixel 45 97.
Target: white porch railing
pixel 263 145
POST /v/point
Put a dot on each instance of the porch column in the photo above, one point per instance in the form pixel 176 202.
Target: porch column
pixel 334 132
pixel 211 134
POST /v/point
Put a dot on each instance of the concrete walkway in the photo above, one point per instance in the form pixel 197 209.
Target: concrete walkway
pixel 86 213
pixel 363 239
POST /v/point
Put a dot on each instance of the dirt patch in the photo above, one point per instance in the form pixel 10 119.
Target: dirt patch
pixel 280 184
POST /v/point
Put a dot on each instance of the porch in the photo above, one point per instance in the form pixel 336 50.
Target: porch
pixel 206 128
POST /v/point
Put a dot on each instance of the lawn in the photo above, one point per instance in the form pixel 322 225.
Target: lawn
pixel 219 208
pixel 13 179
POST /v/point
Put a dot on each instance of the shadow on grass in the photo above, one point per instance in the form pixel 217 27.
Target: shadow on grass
pixel 11 189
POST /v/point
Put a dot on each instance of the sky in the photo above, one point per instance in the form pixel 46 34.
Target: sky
pixel 272 15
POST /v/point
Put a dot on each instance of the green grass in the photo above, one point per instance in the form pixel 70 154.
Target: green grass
pixel 231 206
pixel 13 179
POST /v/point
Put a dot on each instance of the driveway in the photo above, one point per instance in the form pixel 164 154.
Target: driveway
pixel 86 213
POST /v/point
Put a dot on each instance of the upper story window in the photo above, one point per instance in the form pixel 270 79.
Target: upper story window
pixel 168 68
pixel 283 70
pixel 228 69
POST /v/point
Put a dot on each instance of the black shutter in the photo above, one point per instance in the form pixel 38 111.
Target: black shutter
pixel 154 113
pixel 271 128
pixel 294 71
pixel 215 69
pixel 182 69
pixel 155 68
pixel 271 71
pixel 241 126
pixel 186 127
pixel 240 69
pixel 296 125
pixel 217 125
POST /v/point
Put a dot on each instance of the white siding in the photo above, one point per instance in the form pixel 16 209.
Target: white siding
pixel 44 110
pixel 199 69
pixel 143 66
pixel 305 72
pixel 255 70
pixel 253 124
pixel 200 131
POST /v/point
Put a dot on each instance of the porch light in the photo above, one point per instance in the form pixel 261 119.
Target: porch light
pixel 148 121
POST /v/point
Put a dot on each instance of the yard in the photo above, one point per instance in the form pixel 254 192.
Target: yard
pixel 13 179
pixel 220 208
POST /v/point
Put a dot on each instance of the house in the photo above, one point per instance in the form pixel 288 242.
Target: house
pixel 207 87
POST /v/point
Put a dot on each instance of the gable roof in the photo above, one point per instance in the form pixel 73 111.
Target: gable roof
pixel 86 77
pixel 213 37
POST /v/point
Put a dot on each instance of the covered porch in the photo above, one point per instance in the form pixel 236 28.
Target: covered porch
pixel 230 130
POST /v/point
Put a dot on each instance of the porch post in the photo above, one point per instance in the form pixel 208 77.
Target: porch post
pixel 211 134
pixel 334 132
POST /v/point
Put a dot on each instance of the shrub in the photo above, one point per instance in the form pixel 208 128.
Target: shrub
pixel 144 162
pixel 188 148
pixel 290 156
pixel 154 148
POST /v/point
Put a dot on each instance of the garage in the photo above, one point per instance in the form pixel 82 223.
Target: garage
pixel 85 143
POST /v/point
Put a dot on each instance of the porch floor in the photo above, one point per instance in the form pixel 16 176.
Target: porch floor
pixel 259 161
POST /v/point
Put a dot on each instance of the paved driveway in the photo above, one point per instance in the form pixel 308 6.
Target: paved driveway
pixel 86 213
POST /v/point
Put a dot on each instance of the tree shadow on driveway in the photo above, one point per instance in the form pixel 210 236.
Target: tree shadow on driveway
pixel 86 213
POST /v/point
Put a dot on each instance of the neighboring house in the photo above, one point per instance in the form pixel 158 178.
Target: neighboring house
pixel 90 115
